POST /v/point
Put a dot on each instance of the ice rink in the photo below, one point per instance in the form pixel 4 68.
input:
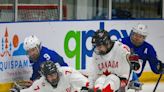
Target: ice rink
pixel 149 87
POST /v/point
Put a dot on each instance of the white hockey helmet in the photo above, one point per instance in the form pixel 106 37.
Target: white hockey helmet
pixel 31 42
pixel 140 29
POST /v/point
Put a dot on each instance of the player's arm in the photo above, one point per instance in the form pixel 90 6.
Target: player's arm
pixel 155 64
pixel 35 74
pixel 132 58
pixel 57 58
pixel 124 73
pixel 26 83
pixel 126 53
pixel 93 71
pixel 125 58
pixel 76 79
pixel 35 87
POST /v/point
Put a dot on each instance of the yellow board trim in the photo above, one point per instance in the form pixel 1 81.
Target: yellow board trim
pixel 5 87
pixel 150 77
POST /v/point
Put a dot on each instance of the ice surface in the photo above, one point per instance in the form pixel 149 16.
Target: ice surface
pixel 149 87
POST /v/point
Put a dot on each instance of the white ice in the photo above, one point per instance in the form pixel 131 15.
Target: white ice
pixel 149 87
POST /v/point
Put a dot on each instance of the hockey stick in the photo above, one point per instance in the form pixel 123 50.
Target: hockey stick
pixel 157 82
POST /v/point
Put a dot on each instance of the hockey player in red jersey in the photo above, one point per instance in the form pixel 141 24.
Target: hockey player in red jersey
pixel 58 79
pixel 110 68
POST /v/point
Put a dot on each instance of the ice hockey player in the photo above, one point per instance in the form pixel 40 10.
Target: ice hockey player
pixel 144 51
pixel 111 68
pixel 37 55
pixel 58 79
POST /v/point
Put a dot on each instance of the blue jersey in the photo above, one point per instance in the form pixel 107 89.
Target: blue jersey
pixel 45 54
pixel 146 52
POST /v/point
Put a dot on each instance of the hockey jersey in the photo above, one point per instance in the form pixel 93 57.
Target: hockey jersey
pixel 115 62
pixel 70 81
pixel 45 54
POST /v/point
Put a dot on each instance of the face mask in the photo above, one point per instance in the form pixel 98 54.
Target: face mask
pixel 54 83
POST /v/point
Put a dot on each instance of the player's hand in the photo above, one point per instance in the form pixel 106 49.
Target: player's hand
pixel 28 83
pixel 15 89
pixel 134 60
pixel 24 83
pixel 85 89
pixel 160 67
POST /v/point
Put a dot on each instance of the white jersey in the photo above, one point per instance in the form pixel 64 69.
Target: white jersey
pixel 114 62
pixel 70 81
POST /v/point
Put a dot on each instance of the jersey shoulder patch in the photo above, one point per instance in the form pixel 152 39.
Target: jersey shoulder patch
pixel 66 70
pixel 125 47
pixel 122 46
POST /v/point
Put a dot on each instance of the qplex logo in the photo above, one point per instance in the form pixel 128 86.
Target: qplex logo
pixel 80 51
pixel 11 51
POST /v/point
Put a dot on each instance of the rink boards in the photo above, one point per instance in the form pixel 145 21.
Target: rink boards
pixel 71 39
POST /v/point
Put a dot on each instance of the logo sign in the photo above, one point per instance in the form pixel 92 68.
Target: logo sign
pixel 80 38
pixel 14 64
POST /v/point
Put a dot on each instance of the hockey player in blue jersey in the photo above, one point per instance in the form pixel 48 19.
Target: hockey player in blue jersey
pixel 38 54
pixel 143 50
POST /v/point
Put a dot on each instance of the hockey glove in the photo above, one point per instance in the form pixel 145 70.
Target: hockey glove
pixel 160 67
pixel 15 89
pixel 136 85
pixel 85 89
pixel 134 60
